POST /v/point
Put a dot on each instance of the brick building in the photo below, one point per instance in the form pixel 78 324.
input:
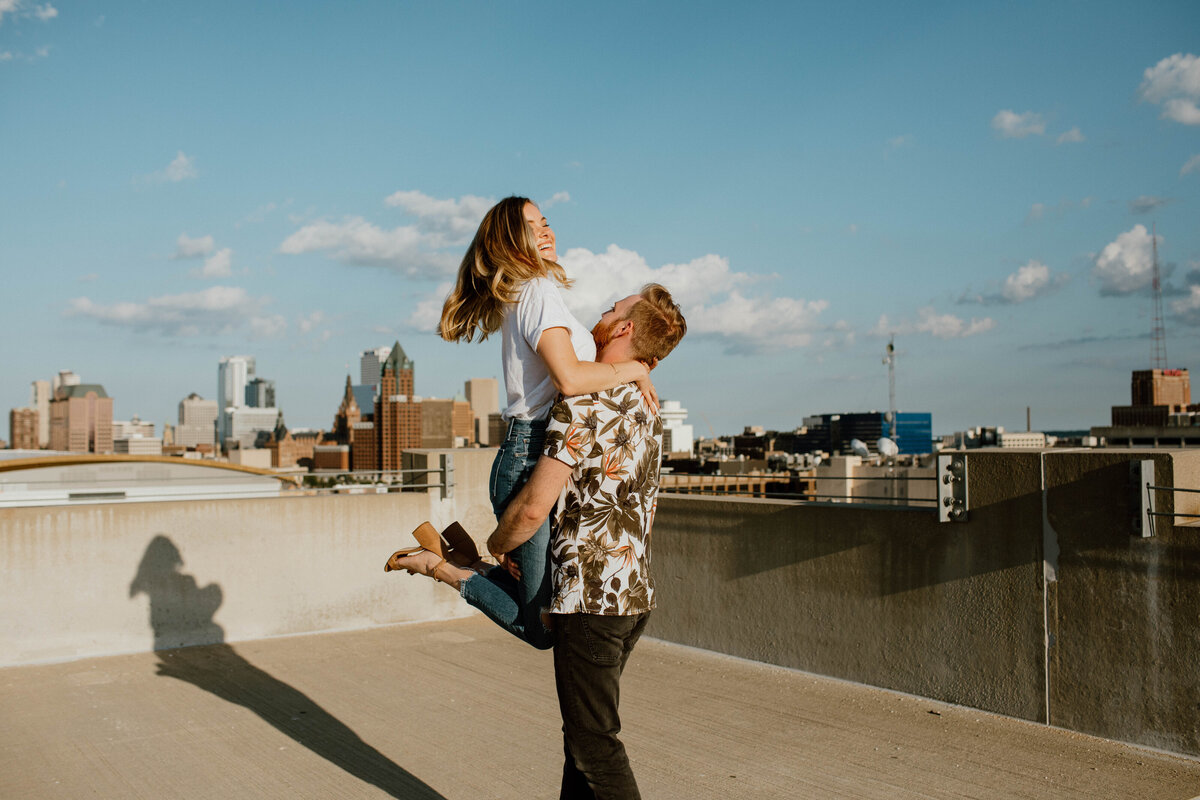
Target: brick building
pixel 23 428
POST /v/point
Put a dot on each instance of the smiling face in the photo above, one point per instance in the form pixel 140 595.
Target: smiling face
pixel 542 233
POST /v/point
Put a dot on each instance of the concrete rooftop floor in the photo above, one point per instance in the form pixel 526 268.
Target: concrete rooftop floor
pixel 459 709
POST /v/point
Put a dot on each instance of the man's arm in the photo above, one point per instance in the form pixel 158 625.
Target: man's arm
pixel 530 508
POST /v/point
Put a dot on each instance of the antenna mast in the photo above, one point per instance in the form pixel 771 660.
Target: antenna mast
pixel 890 360
pixel 1158 335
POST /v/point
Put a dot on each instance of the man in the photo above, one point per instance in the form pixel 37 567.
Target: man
pixel 605 449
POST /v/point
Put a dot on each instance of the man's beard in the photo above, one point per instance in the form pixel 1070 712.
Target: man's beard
pixel 602 334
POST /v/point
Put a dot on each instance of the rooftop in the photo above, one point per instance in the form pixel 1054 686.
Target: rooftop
pixel 429 711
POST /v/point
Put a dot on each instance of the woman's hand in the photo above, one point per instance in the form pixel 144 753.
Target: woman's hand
pixel 647 388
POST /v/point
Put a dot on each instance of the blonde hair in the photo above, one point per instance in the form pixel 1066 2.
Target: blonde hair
pixel 502 257
pixel 658 324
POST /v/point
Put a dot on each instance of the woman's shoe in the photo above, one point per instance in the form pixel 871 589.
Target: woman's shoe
pixel 427 536
pixel 408 551
pixel 463 552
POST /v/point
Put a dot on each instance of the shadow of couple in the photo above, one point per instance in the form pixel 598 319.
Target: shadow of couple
pixel 181 614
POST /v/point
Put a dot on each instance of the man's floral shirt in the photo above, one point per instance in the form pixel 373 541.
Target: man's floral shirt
pixel 600 550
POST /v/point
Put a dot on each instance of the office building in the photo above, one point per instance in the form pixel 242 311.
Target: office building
pixel 138 446
pixel 497 430
pixel 246 423
pixel 484 396
pixel 23 429
pixel 65 377
pixel 447 423
pixel 123 429
pixel 197 422
pixel 81 419
pixel 371 365
pixel 397 411
pixel 677 435
pixel 233 376
pixel 1156 394
pixel 260 393
pixel 832 433
pixel 39 400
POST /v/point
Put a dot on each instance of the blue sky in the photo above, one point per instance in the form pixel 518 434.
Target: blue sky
pixel 297 181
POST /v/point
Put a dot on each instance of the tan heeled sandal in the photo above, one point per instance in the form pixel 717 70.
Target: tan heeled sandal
pixel 463 552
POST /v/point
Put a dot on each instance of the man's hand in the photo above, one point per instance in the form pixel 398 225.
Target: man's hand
pixel 529 509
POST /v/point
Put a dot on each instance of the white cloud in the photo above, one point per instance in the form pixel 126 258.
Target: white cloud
pixel 1036 212
pixel 1146 203
pixel 414 250
pixel 1188 308
pixel 19 8
pixel 1027 282
pixel 1012 125
pixel 1191 165
pixel 356 241
pixel 711 295
pixel 6 55
pixel 1126 264
pixel 187 247
pixel 1073 135
pixel 218 265
pixel 217 310
pixel 555 199
pixel 442 222
pixel 940 326
pixel 91 277
pixel 181 168
pixel 896 142
pixel 1174 82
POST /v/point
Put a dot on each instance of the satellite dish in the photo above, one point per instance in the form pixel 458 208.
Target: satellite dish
pixel 859 448
pixel 886 447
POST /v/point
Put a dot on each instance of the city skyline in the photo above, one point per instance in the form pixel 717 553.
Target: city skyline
pixel 190 183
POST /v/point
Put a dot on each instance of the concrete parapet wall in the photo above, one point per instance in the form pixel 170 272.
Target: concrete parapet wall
pixel 91 580
pixel 1042 606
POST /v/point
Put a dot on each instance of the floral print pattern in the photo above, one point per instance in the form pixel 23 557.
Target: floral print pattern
pixel 600 546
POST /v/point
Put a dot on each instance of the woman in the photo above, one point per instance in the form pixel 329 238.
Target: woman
pixel 510 281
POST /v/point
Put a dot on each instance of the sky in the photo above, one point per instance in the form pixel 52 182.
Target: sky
pixel 298 181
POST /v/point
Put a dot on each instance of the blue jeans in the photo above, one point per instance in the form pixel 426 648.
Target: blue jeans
pixel 516 605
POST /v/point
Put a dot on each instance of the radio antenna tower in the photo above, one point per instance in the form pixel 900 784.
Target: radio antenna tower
pixel 1158 335
pixel 890 359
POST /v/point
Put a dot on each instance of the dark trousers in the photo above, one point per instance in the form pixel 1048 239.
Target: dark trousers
pixel 590 651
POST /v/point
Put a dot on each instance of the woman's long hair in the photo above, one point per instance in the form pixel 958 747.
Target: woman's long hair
pixel 502 257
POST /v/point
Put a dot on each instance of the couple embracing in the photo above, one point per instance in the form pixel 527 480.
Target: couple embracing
pixel 574 484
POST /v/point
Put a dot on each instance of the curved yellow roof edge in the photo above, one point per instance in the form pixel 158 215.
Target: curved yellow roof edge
pixel 38 462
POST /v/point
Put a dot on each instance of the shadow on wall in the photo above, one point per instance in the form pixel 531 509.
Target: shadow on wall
pixel 181 614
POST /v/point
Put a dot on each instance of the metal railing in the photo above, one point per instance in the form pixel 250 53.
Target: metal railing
pixel 740 488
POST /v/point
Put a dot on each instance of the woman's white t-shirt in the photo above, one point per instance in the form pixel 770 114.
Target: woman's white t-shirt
pixel 527 381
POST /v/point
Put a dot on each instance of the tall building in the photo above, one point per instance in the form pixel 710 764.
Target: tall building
pixel 348 415
pixel 39 399
pixel 233 376
pixel 197 422
pixel 446 423
pixel 260 393
pixel 397 412
pixel 371 365
pixel 677 436
pixel 484 396
pixel 1156 394
pixel 81 419
pixel 23 429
